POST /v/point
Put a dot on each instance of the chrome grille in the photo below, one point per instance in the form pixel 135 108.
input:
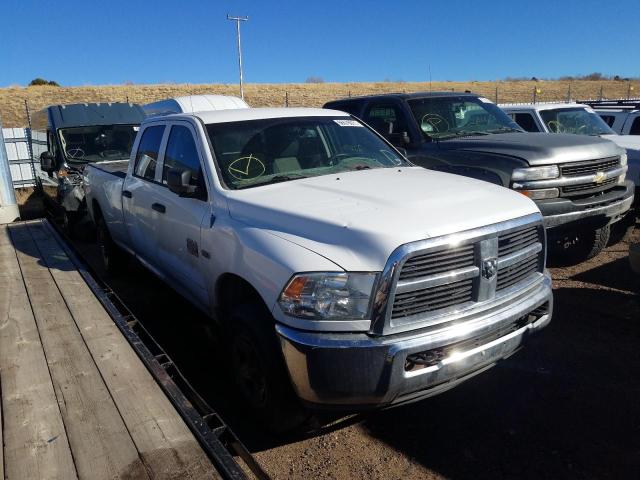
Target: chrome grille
pixel 588 187
pixel 437 262
pixel 436 279
pixel 589 168
pixel 431 299
pixel 588 171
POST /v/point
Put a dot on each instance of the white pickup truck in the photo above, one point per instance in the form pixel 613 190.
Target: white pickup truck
pixel 334 265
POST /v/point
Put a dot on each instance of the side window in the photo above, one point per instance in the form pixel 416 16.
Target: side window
pixel 608 119
pixel 635 127
pixel 147 155
pixel 526 121
pixel 386 119
pixel 182 154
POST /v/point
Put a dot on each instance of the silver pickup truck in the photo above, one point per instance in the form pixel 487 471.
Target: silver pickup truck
pixel 336 269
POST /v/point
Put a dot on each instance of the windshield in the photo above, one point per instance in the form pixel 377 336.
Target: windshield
pixel 450 117
pixel 97 142
pixel 575 120
pixel 258 152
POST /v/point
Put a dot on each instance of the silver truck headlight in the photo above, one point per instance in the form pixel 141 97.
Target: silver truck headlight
pixel 328 296
pixel 536 173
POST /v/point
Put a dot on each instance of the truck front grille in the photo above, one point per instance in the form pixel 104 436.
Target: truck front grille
pixel 435 282
pixel 431 299
pixel 437 262
pixel 589 170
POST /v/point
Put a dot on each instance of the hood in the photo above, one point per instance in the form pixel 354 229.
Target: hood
pixel 630 142
pixel 538 148
pixel 356 219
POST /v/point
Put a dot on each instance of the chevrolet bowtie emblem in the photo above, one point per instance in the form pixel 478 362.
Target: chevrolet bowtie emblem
pixel 599 177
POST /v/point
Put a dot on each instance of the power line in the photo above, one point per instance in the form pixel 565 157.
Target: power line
pixel 238 20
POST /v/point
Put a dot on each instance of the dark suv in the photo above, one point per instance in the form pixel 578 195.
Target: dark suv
pixel 577 182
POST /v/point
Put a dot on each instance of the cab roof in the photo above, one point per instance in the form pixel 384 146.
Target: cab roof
pixel 242 114
pixel 87 114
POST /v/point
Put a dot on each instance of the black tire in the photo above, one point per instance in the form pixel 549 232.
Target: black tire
pixel 622 230
pixel 582 246
pixel 258 369
pixel 113 258
pixel 69 222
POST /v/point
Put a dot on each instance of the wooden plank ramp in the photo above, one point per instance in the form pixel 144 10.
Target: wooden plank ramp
pixel 77 401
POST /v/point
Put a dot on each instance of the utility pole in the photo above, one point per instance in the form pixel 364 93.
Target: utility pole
pixel 238 20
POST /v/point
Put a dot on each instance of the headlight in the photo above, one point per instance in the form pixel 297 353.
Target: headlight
pixel 328 296
pixel 540 194
pixel 536 173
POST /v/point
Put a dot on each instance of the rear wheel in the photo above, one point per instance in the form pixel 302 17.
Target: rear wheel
pixel 259 372
pixel 113 258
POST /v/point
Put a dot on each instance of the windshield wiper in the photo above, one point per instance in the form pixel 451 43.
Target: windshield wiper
pixel 505 130
pixel 278 179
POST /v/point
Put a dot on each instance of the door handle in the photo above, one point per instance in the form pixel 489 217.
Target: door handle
pixel 158 207
pixel 127 193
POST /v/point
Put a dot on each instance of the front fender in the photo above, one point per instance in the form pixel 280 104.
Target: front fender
pixel 492 168
pixel 258 256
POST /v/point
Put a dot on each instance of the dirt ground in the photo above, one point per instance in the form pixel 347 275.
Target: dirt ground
pixel 565 406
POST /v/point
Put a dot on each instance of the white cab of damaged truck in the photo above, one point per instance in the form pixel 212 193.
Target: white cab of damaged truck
pixel 341 269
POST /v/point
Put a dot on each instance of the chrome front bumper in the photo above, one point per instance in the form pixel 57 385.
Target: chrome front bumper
pixel 359 370
pixel 564 211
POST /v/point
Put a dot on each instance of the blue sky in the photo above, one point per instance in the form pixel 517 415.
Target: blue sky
pixel 189 41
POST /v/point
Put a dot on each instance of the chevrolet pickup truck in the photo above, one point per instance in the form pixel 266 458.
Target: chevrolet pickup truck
pixel 577 119
pixel 340 275
pixel 578 182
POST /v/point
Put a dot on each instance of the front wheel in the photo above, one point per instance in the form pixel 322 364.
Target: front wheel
pixel 579 246
pixel 258 369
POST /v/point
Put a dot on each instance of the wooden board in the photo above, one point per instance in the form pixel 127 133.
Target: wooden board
pixel 33 433
pixel 101 445
pixel 166 446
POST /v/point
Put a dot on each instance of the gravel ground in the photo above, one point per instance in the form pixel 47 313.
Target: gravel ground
pixel 566 406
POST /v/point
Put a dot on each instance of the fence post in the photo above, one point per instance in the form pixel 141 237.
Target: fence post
pixel 569 94
pixel 535 94
pixel 496 94
pixel 36 182
pixel 286 98
pixel 8 206
pixel 601 96
pixel 628 90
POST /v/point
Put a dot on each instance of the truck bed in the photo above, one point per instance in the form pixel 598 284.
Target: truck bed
pixel 119 168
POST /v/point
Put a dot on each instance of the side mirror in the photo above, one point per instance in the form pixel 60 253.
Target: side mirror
pixel 178 181
pixel 47 162
pixel 399 139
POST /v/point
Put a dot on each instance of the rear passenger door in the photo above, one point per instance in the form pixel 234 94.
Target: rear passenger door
pixel 180 226
pixel 141 215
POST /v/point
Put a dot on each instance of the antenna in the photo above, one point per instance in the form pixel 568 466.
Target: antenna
pixel 238 20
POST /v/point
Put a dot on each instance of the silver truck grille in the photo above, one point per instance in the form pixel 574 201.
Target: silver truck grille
pixel 443 276
pixel 589 170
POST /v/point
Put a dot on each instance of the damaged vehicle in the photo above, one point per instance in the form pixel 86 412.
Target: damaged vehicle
pixel 77 135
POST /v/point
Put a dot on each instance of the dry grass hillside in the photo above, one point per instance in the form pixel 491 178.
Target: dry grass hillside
pixel 12 99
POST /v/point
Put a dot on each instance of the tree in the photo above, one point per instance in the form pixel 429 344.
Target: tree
pixel 314 79
pixel 41 81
